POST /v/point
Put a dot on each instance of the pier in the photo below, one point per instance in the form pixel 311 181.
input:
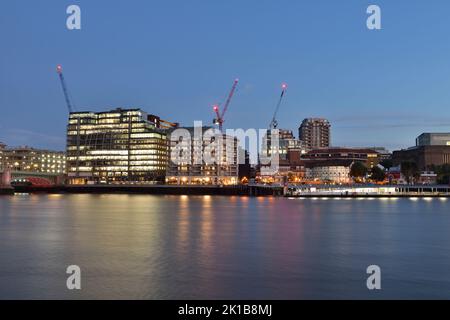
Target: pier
pixel 368 191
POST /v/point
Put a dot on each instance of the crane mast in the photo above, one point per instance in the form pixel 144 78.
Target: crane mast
pixel 64 87
pixel 274 123
pixel 219 120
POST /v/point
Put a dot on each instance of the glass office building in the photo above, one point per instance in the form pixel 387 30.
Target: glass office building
pixel 122 146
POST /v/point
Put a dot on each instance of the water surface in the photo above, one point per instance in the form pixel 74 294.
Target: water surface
pixel 206 247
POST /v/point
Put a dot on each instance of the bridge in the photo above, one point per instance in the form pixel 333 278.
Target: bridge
pixel 37 179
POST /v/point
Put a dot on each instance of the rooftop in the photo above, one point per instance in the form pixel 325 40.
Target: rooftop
pixel 110 111
pixel 342 150
pixel 328 163
pixel 27 149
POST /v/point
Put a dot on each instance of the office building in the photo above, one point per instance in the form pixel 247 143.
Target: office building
pixel 121 146
pixel 315 133
pixel 288 166
pixel 286 143
pixel 188 163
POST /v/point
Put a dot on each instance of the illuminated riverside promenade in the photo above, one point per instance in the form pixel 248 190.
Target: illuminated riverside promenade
pixel 369 190
pixel 251 190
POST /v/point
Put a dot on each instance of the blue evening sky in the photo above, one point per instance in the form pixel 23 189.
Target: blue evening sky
pixel 175 58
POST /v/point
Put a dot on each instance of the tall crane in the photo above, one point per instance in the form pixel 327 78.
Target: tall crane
pixel 274 123
pixel 64 87
pixel 219 120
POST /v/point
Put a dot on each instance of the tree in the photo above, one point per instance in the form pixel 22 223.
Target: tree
pixel 377 174
pixel 358 170
pixel 444 179
pixel 387 163
pixel 443 173
pixel 410 170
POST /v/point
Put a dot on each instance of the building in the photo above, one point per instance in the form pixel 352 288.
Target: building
pixel 2 148
pixel 368 156
pixel 394 176
pixel 189 151
pixel 286 142
pixel 383 153
pixel 292 168
pixel 289 166
pixel 433 139
pixel 27 159
pixel 424 156
pixel 428 177
pixel 245 172
pixel 315 133
pixel 335 171
pixel 432 149
pixel 121 146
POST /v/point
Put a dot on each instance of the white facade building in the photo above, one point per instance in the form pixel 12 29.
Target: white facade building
pixel 202 158
pixel 336 174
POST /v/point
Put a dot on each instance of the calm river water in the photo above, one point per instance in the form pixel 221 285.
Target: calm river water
pixel 205 247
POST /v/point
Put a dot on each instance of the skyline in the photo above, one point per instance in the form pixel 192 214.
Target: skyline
pixel 377 88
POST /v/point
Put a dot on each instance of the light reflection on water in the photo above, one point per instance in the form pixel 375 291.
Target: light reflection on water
pixel 207 247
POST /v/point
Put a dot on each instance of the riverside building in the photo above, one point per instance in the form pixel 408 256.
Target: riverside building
pixel 286 151
pixel 286 143
pixel 188 164
pixel 432 149
pixel 335 171
pixel 367 156
pixel 121 146
pixel 27 159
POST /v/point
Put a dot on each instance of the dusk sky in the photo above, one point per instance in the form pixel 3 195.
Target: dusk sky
pixel 177 58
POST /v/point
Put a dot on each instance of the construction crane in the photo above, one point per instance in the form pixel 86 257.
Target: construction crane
pixel 219 120
pixel 64 87
pixel 274 123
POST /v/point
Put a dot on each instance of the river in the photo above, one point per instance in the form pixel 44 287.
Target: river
pixel 213 247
